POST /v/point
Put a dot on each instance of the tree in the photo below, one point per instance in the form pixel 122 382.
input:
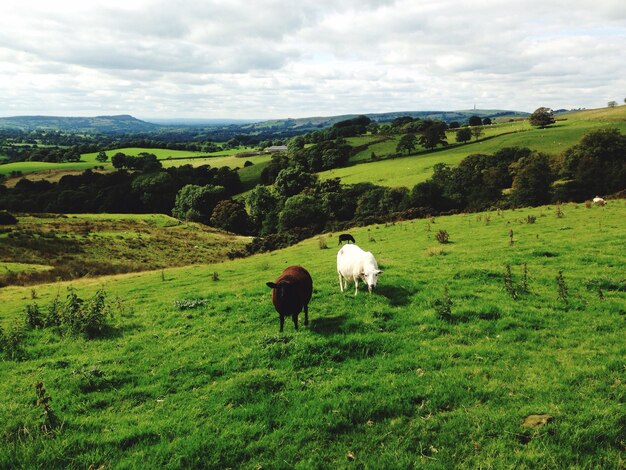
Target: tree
pixel 231 216
pixel 293 180
pixel 302 211
pixel 295 144
pixel 486 121
pixel 463 134
pixel 407 143
pixel 264 207
pixel 102 156
pixel 477 131
pixel 196 203
pixel 432 134
pixel 454 125
pixel 597 162
pixel 475 121
pixel 612 104
pixel 542 117
pixel 532 180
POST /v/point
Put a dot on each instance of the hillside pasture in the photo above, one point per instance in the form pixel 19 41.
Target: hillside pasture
pixel 439 368
pixel 410 170
pixel 50 246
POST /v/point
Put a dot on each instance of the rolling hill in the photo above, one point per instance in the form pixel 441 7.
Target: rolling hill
pixel 452 363
pixel 98 124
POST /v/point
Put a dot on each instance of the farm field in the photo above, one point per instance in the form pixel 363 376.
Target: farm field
pixel 410 170
pixel 178 158
pixel 46 247
pixel 410 376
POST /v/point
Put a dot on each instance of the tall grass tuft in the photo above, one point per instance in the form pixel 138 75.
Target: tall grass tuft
pixel 508 282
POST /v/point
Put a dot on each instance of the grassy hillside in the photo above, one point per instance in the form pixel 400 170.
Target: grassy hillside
pixel 396 379
pixel 408 171
pixel 169 158
pixel 46 247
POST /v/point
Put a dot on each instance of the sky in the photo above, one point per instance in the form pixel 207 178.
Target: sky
pixel 277 59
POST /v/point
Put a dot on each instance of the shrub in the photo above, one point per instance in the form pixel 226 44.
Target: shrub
pixel 531 219
pixel 442 236
pixel 11 342
pixel 34 317
pixel 6 218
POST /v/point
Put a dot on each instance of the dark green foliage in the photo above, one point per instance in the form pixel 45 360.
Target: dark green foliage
pixel 48 420
pixel 464 134
pixel 293 180
pixel 196 203
pixel 406 143
pixel 231 216
pixel 432 133
pixel 597 165
pixel 6 218
pixel 75 316
pixel 532 180
pixel 34 317
pixel 542 117
pixel 302 210
pixel 475 121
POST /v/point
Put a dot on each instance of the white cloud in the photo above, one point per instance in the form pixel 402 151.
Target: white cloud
pixel 274 58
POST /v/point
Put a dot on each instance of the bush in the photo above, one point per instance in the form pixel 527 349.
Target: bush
pixel 6 218
pixel 442 236
pixel 11 342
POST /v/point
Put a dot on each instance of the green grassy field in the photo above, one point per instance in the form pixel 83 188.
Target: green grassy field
pixel 48 247
pixel 410 170
pixel 389 380
pixel 168 158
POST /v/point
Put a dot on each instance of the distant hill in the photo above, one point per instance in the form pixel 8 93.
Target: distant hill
pixel 99 124
pixel 127 124
pixel 311 123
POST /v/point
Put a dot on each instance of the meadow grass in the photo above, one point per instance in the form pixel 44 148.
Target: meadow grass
pixel 389 380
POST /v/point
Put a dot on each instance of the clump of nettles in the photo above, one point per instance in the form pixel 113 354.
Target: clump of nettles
pixel 563 292
pixel 508 282
pixel 442 236
pixel 188 304
pixel 48 419
pixel 11 342
pixel 443 306
pixel 75 316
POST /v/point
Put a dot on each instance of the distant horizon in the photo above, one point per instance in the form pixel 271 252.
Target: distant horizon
pixel 260 119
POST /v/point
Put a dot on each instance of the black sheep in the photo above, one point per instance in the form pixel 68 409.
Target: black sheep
pixel 345 237
pixel 291 294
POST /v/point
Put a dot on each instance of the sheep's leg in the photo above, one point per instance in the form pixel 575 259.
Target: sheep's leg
pixel 356 286
pixel 306 315
pixel 282 323
pixel 295 321
pixel 340 282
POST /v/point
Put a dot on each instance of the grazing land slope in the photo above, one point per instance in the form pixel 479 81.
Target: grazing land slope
pixel 412 169
pixel 46 247
pixel 439 368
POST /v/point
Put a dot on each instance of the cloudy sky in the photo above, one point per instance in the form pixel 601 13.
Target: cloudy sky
pixel 278 58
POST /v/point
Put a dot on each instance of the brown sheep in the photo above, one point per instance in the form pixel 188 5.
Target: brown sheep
pixel 291 294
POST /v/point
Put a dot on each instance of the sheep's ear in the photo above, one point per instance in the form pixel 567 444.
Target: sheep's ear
pixel 271 285
pixel 379 271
